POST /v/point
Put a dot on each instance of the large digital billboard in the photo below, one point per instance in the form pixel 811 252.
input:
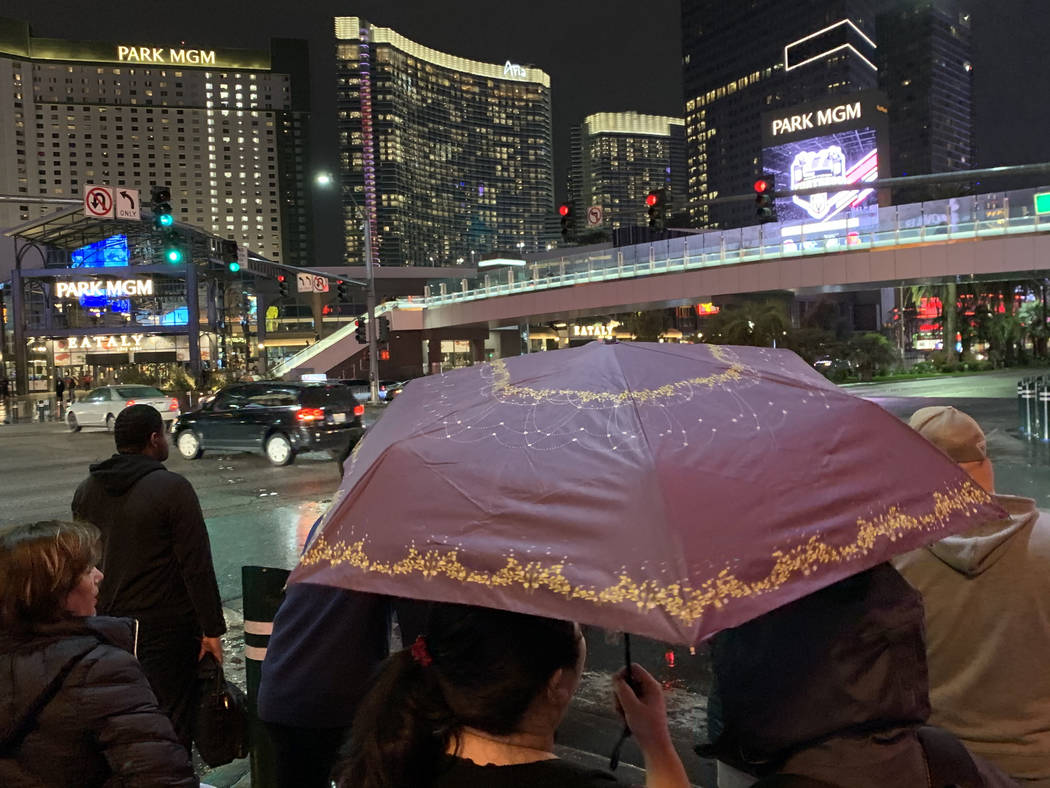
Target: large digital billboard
pixel 832 147
pixel 108 252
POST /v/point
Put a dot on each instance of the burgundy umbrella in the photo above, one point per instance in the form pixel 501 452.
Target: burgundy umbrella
pixel 671 491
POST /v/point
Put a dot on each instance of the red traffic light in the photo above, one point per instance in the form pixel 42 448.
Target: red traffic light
pixel 280 277
pixel 761 186
pixel 651 199
pixel 564 210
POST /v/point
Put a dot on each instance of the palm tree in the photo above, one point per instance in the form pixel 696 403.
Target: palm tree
pixel 752 323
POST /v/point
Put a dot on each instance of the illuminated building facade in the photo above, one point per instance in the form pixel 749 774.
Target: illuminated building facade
pixel 219 126
pixel 926 72
pixel 741 60
pixel 619 157
pixel 449 158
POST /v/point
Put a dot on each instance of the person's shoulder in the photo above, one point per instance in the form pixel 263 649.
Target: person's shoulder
pixel 554 773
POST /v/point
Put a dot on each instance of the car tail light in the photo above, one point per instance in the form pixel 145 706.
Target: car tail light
pixel 173 405
pixel 310 414
pixel 359 410
pixel 129 403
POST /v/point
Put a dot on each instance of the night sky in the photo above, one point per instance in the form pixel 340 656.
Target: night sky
pixel 607 56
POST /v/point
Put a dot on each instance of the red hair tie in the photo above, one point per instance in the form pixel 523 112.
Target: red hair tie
pixel 420 653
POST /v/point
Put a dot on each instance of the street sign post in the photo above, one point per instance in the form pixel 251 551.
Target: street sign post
pixel 98 201
pixel 311 283
pixel 127 203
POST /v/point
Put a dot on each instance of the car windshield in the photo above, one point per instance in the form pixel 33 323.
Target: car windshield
pixel 335 397
pixel 130 392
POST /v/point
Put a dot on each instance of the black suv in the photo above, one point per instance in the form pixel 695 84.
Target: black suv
pixel 280 419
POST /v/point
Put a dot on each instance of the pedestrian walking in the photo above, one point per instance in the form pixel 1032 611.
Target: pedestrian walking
pixel 76 708
pixel 71 387
pixel 60 388
pixel 5 393
pixel 987 597
pixel 476 702
pixel 156 557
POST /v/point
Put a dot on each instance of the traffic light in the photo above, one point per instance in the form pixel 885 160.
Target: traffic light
pixel 765 201
pixel 282 285
pixel 228 253
pixel 171 250
pixel 161 199
pixel 340 291
pixel 656 201
pixel 567 211
pixel 383 326
pixel 361 332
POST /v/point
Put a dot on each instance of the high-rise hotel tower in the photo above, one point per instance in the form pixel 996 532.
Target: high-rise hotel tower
pixel 449 158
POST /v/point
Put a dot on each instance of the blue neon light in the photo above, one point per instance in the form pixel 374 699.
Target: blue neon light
pixel 108 253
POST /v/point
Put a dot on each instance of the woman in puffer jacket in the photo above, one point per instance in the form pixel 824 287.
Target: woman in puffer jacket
pixel 75 707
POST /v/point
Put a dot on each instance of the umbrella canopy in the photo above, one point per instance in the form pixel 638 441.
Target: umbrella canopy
pixel 667 490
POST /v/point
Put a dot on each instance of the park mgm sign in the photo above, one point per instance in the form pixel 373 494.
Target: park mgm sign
pixel 165 55
pixel 110 288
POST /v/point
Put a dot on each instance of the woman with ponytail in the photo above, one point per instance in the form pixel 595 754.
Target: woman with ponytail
pixel 476 700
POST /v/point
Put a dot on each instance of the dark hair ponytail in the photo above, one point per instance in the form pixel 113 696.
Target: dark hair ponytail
pixel 483 668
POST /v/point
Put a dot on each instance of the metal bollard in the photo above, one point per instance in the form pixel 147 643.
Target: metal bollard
pixel 263 588
pixel 1043 408
pixel 1033 407
pixel 1022 389
pixel 1028 397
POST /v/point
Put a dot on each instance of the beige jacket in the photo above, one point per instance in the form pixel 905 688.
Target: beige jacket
pixel 987 598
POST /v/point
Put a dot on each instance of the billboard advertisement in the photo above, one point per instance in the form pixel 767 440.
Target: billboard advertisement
pixel 832 151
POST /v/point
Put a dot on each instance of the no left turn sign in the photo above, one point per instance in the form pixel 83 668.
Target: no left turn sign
pixel 98 201
pixel 594 215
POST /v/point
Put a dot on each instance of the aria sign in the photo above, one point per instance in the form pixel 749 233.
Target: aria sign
pixel 514 71
pixel 171 56
pixel 111 288
pixel 115 342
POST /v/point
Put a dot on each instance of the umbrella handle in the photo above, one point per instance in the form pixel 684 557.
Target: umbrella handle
pixel 614 759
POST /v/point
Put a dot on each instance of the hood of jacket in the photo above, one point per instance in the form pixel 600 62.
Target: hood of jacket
pixel 849 659
pixel 33 664
pixel 973 552
pixel 120 472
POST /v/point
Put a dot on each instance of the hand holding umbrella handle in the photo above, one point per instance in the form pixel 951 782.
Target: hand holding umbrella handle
pixel 614 758
pixel 646 714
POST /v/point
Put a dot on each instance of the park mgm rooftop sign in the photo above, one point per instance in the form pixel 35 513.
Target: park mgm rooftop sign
pixel 15 40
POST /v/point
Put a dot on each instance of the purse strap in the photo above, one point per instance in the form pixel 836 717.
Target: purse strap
pixel 39 704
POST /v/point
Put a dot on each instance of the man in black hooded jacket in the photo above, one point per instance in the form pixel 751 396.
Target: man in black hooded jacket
pixel 156 557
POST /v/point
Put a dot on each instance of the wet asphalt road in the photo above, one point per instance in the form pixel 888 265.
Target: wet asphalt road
pixel 256 513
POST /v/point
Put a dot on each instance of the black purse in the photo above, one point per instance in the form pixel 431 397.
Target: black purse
pixel 220 725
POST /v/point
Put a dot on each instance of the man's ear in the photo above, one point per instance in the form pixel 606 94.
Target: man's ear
pixel 558 687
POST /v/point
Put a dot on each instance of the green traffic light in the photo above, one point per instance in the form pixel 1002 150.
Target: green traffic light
pixel 173 256
pixel 234 267
pixel 165 220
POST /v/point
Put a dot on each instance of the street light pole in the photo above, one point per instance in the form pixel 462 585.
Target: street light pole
pixel 373 328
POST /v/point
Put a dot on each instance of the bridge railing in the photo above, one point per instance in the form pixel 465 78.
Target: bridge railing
pixel 865 227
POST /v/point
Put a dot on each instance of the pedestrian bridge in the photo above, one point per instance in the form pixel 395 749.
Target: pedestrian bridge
pixel 983 236
pixel 989 236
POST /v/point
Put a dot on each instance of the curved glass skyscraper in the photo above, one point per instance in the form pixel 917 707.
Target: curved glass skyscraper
pixel 449 158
